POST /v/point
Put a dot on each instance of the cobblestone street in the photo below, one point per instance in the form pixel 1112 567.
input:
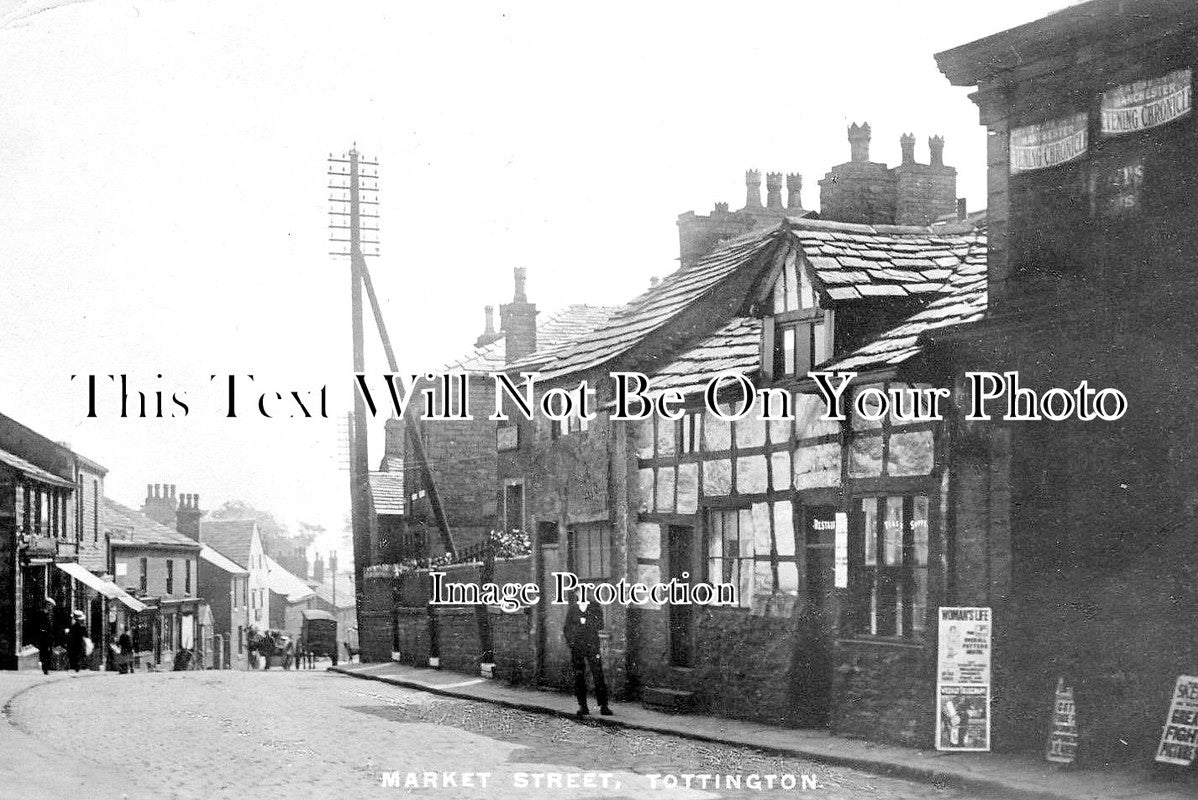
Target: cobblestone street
pixel 320 735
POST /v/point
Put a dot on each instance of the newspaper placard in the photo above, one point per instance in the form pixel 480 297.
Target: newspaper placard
pixel 841 564
pixel 1179 740
pixel 1146 104
pixel 1048 144
pixel 963 679
pixel 1062 737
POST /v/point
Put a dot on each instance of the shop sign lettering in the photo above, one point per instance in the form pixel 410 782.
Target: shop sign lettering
pixel 1062 739
pixel 1179 739
pixel 1048 144
pixel 1146 104
pixel 963 680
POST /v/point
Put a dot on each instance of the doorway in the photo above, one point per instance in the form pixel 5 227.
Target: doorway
pixel 812 677
pixel 680 553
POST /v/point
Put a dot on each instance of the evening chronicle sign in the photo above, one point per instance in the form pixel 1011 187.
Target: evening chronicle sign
pixel 1146 104
pixel 1048 143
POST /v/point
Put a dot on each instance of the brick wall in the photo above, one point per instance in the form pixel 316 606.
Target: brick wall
pixel 412 632
pixel 376 618
pixel 457 638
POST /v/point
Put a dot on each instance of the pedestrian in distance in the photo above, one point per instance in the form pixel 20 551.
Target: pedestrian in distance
pixel 125 645
pixel 76 641
pixel 45 637
pixel 584 620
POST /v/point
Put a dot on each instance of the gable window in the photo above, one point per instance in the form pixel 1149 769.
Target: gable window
pixel 797 331
pixel 590 551
pixel 888 552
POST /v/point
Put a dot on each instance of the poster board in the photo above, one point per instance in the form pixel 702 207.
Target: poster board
pixel 963 679
pixel 841 562
pixel 1179 739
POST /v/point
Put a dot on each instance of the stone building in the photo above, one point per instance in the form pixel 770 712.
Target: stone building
pixel 1084 531
pixel 240 541
pixel 52 544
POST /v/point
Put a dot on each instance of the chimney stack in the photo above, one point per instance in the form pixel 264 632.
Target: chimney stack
pixel 187 517
pixel 859 142
pixel 159 504
pixel 753 189
pixel 907 143
pixel 654 282
pixel 518 322
pixel 773 191
pixel 936 146
pixel 488 335
pixel 318 569
pixel 333 562
pixel 962 211
pixel 794 192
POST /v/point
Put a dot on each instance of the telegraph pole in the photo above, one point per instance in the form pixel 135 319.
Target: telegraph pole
pixel 353 225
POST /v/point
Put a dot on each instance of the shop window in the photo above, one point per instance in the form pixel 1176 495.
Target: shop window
pixel 143 633
pixel 888 583
pixel 730 551
pixel 590 551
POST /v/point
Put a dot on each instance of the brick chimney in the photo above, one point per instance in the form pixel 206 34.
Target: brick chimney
pixel 907 143
pixel 753 189
pixel 859 142
pixel 159 504
pixel 489 333
pixel 393 438
pixel 518 322
pixel 936 147
pixel 318 569
pixel 773 191
pixel 333 562
pixel 188 516
pixel 794 192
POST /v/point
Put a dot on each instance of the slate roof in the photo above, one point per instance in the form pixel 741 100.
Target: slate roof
pixel 962 301
pixel 284 583
pixel 345 592
pixel 554 331
pixel 641 318
pixel 229 537
pixel 851 262
pixel 220 562
pixel 856 263
pixel 736 346
pixel 33 471
pixel 387 492
pixel 133 527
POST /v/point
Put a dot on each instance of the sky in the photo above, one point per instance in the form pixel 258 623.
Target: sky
pixel 163 210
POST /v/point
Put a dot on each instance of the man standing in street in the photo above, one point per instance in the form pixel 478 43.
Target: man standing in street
pixel 584 620
pixel 45 637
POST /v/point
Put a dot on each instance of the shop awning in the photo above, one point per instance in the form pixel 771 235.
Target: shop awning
pixel 106 588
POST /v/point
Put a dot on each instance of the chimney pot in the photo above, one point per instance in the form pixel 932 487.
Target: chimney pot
pixel 962 211
pixel 721 208
pixel 859 141
pixel 773 190
pixel 794 191
pixel 654 281
pixel 936 146
pixel 157 490
pixel 753 189
pixel 489 312
pixel 149 491
pixel 907 143
pixel 520 276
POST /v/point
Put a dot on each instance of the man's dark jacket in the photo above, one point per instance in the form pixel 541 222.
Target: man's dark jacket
pixel 584 636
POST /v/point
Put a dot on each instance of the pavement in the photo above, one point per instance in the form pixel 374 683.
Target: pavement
pixel 1002 775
